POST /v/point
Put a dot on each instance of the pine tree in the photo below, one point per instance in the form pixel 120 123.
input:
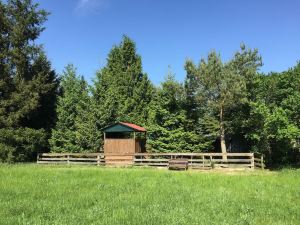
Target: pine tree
pixel 221 87
pixel 224 91
pixel 27 82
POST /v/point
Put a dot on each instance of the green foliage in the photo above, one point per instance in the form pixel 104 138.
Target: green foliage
pixel 273 124
pixel 20 144
pixel 214 89
pixel 27 83
pixel 122 91
pixel 168 124
pixel 74 130
pixel 88 136
pixel 219 101
pixel 192 95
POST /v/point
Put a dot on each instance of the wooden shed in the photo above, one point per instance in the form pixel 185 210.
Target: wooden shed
pixel 122 141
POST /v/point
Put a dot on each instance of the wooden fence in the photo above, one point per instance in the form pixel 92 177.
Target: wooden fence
pixel 259 161
pixel 195 160
pixel 71 158
pixel 202 160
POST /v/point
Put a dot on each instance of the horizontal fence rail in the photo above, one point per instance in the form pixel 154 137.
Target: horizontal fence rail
pixel 71 158
pixel 195 160
pixel 259 162
pixel 201 160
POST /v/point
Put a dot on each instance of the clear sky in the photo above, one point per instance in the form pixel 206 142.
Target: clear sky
pixel 167 32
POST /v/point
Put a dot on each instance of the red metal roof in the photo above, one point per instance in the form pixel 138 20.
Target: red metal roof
pixel 134 126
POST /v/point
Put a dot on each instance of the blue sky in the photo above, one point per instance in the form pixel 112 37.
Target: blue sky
pixel 167 32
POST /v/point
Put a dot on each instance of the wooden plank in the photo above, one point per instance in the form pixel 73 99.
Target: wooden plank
pixel 231 160
pixel 83 163
pixel 259 164
pixel 53 154
pixel 118 160
pixel 200 165
pixel 119 146
pixel 159 161
pixel 70 154
pixel 118 163
pixel 52 162
pixel 83 159
pixel 193 154
pixel 151 164
pixel 121 154
pixel 53 159
pixel 232 165
pixel 151 160
pixel 119 157
pixel 179 162
pixel 257 160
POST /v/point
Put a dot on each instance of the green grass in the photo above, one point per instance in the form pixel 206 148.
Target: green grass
pixel 38 194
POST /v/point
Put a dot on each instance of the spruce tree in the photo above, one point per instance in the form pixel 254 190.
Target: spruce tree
pixel 73 120
pixel 168 125
pixel 88 136
pixel 191 103
pixel 28 85
pixel 122 91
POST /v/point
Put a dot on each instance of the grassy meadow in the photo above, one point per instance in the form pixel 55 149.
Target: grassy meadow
pixel 39 194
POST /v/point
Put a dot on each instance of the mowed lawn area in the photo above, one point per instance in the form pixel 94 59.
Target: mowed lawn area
pixel 39 194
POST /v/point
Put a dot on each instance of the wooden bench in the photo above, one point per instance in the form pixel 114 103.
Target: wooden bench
pixel 178 164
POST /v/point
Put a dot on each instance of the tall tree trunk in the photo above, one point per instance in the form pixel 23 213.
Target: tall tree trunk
pixel 222 136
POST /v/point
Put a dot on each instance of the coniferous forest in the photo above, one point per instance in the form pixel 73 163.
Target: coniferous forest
pixel 221 105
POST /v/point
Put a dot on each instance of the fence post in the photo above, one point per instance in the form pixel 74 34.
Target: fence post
pixel 98 159
pixel 68 160
pixel 203 161
pixel 252 161
pixel 37 157
pixel 262 162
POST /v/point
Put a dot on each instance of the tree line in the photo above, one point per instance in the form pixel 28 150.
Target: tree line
pixel 221 105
